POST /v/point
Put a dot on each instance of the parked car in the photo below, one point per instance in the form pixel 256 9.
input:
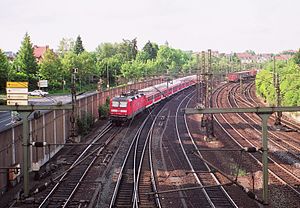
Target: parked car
pixel 38 93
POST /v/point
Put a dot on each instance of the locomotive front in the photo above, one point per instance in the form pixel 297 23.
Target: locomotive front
pixel 119 108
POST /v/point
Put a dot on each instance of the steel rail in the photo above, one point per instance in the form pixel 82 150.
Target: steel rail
pixel 252 156
pixel 207 166
pixel 208 197
pixel 135 140
pixel 137 179
pixel 249 97
pixel 116 190
pixel 186 156
pixel 75 163
pixel 272 141
pixel 153 181
pixel 88 168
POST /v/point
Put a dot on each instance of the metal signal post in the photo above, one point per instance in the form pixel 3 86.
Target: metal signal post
pixel 276 84
pixel 203 71
pixel 210 94
pixel 73 92
pixel 198 81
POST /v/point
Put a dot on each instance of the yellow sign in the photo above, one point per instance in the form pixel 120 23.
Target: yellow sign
pixel 17 84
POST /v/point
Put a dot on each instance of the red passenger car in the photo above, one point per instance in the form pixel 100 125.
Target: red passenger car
pixel 127 105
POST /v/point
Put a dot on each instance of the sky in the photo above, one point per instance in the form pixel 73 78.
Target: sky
pixel 223 25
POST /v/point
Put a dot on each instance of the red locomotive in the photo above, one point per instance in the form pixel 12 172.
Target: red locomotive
pixel 127 105
pixel 242 75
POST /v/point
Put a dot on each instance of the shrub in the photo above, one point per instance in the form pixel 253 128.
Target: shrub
pixel 85 123
pixel 103 110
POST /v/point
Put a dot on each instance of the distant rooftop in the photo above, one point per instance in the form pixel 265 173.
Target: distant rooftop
pixel 10 55
pixel 39 51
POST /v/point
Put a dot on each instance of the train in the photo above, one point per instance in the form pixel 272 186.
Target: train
pixel 242 75
pixel 127 105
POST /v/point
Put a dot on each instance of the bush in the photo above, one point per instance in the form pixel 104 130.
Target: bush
pixel 103 110
pixel 85 123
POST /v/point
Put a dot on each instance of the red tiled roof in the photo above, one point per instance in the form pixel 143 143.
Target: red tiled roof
pixel 244 55
pixel 38 51
pixel 283 57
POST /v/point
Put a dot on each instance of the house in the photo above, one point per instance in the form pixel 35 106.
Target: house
pixel 283 57
pixel 246 58
pixel 38 52
pixel 264 57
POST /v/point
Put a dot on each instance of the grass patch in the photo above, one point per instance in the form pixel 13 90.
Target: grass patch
pixel 234 169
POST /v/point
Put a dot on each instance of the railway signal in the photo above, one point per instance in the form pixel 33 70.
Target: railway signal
pixel 207 120
pixel 276 84
pixel 73 92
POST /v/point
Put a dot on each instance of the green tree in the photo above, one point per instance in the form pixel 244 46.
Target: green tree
pixel 87 67
pixel 25 64
pixel 150 50
pixel 50 69
pixel 106 50
pixel 4 70
pixel 297 57
pixel 65 45
pixel 170 60
pixel 133 70
pixel 69 61
pixel 128 49
pixel 289 76
pixel 78 48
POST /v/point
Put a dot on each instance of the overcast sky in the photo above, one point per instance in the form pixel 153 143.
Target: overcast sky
pixel 224 25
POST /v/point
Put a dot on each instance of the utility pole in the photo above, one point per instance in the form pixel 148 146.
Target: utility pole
pixel 203 71
pixel 274 80
pixel 198 80
pixel 210 93
pixel 73 112
pixel 203 88
pixel 278 100
pixel 276 83
pixel 107 76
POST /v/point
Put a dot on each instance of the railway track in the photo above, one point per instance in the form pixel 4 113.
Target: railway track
pixel 251 100
pixel 130 180
pixel 183 194
pixel 215 195
pixel 244 139
pixel 61 190
pixel 279 140
pixel 170 164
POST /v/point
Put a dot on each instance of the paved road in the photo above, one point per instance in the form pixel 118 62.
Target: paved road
pixel 6 118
